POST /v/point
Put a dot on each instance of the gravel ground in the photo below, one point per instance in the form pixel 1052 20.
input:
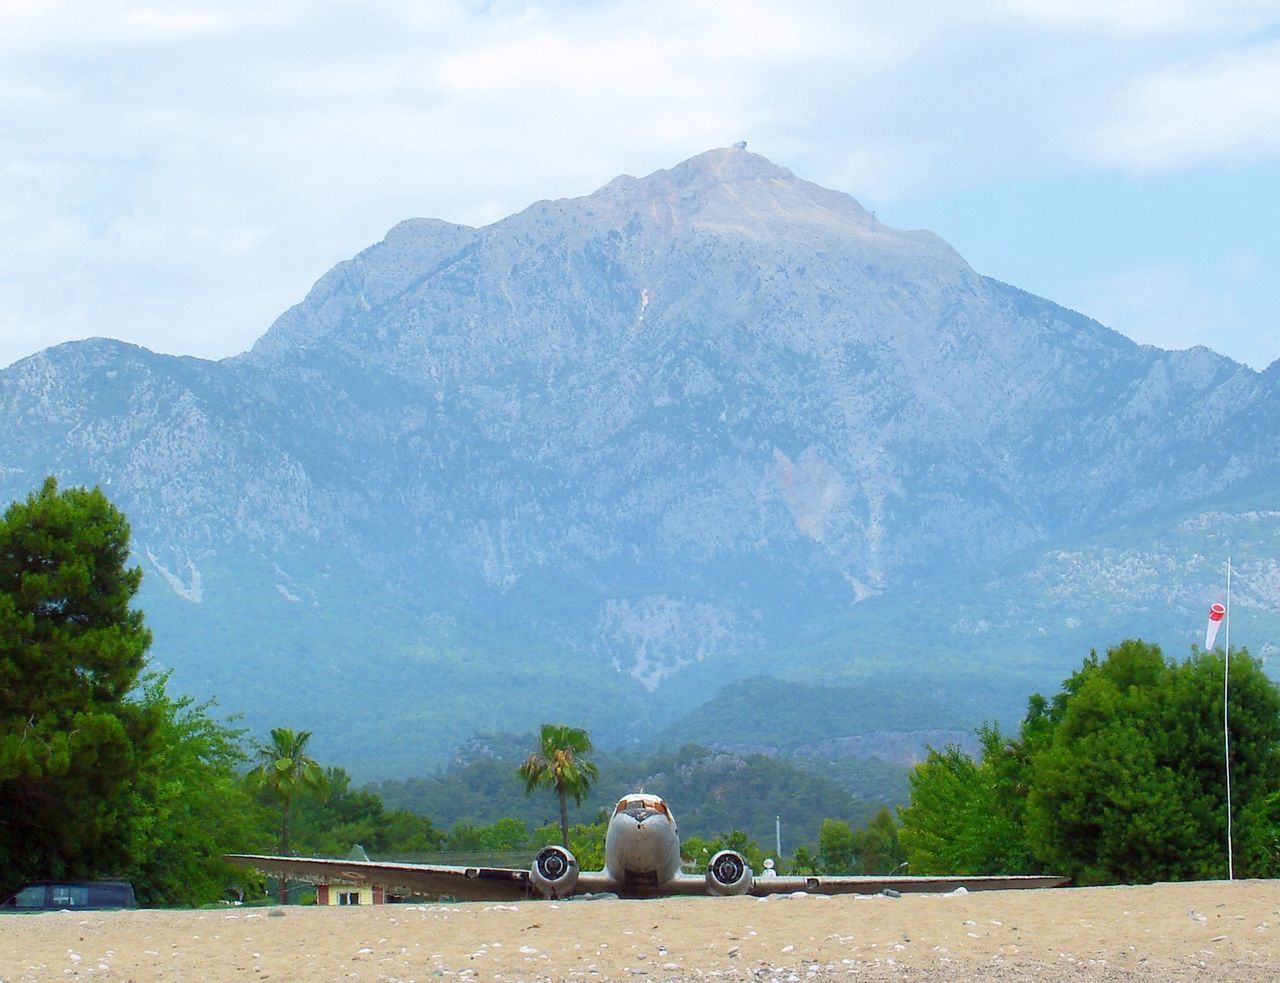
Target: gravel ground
pixel 1206 931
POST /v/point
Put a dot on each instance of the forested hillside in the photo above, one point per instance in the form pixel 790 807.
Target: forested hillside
pixel 710 792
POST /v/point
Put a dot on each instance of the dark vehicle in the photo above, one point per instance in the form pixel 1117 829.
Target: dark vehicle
pixel 72 895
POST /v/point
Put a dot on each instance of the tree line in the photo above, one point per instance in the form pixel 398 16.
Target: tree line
pixel 1120 777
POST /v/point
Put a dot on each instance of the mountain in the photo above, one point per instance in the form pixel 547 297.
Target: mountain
pixel 610 457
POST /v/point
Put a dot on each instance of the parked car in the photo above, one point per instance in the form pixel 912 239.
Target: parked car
pixel 73 895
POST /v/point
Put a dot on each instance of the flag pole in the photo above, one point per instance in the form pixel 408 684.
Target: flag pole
pixel 1226 733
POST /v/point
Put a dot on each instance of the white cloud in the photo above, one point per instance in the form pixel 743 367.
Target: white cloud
pixel 1225 110
pixel 1137 17
pixel 57 24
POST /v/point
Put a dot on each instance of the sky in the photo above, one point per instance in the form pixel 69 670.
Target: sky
pixel 177 175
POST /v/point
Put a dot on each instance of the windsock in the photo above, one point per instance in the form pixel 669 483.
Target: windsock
pixel 1216 613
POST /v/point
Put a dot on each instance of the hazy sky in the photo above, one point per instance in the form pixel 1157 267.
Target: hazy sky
pixel 178 174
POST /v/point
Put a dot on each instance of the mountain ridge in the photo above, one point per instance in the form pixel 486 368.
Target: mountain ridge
pixel 650 436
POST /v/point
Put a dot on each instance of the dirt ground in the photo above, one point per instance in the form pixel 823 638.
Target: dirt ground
pixel 1209 930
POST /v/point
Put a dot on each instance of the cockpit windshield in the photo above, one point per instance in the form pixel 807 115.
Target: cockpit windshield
pixel 645 803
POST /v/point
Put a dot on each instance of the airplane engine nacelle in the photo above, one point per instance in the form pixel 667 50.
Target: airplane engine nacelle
pixel 728 873
pixel 555 872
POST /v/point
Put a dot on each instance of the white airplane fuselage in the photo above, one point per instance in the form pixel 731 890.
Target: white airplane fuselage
pixel 642 845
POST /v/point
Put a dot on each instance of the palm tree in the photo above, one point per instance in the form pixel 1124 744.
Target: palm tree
pixel 286 771
pixel 560 762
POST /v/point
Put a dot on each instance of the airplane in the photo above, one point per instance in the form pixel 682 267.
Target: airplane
pixel 641 860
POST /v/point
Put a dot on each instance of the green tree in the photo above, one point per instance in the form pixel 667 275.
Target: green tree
pixel 285 771
pixel 507 835
pixel 560 762
pixel 407 833
pixel 1254 716
pixel 195 807
pixel 696 852
pixel 954 823
pixel 836 847
pixel 71 651
pixel 1257 836
pixel 1131 786
pixel 876 847
pixel 1118 778
pixel 804 862
pixel 331 824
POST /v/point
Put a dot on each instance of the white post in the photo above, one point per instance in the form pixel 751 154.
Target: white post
pixel 1226 733
pixel 777 829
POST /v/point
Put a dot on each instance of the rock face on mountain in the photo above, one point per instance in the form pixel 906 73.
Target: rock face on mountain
pixel 606 455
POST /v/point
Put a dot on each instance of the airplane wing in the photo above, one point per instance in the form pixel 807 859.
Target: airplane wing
pixel 761 886
pixel 515 884
pixel 419 880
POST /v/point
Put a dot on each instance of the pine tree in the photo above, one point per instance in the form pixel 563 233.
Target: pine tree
pixel 71 650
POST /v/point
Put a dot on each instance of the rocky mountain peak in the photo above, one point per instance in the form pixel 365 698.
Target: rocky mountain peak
pixel 631 244
pixel 712 168
pixel 732 191
pixel 729 165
